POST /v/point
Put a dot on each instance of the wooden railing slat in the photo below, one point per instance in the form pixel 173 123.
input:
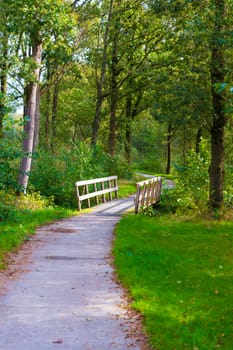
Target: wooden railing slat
pixel 111 186
pixel 98 193
pixel 148 192
pixel 92 181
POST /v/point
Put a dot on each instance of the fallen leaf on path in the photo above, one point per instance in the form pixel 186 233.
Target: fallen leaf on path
pixel 58 341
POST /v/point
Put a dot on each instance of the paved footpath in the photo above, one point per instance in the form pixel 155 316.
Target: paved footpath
pixel 60 291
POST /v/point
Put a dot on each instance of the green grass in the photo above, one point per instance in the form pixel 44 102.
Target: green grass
pixel 14 232
pixel 126 188
pixel 180 275
pixel 148 172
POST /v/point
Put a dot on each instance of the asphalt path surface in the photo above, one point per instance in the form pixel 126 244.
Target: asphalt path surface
pixel 60 291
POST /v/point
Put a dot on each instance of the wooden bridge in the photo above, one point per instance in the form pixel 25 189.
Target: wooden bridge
pixel 101 189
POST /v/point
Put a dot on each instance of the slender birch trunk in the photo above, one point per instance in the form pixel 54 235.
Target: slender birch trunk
pixel 30 116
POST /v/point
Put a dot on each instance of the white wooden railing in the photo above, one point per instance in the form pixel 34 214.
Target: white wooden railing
pixel 148 193
pixel 96 188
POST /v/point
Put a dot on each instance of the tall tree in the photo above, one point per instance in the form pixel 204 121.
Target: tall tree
pixel 100 73
pixel 217 70
pixel 4 38
pixel 39 24
pixel 30 115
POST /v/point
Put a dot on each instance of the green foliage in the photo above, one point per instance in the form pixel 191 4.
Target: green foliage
pixel 228 189
pixel 148 151
pixel 179 274
pixel 55 174
pixel 117 165
pixel 148 211
pixel 192 184
pixel 7 206
pixel 44 18
pixel 33 201
pixel 11 204
pixel 228 175
pixel 9 159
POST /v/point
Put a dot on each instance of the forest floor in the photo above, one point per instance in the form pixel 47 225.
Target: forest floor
pixel 60 290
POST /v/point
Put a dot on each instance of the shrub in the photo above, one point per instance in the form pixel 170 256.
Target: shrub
pixel 55 174
pixel 192 185
pixel 10 203
pixel 228 188
pixel 7 205
pixel 9 162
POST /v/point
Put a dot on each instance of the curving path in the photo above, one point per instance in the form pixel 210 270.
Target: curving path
pixel 60 291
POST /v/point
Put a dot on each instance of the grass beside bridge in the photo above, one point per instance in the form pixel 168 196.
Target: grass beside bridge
pixel 180 275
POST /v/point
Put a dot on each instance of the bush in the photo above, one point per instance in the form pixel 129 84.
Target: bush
pixel 10 203
pixel 55 175
pixel 7 206
pixel 33 201
pixel 192 185
pixel 228 188
pixel 9 162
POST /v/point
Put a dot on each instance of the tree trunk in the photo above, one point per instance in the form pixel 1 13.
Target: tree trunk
pixel 198 140
pixel 29 115
pixel 184 144
pixel 48 111
pixel 96 122
pixel 112 125
pixel 37 119
pixel 216 170
pixel 128 133
pixel 3 81
pixel 169 141
pixel 132 110
pixel 217 164
pixel 54 116
pixel 114 94
pixel 100 81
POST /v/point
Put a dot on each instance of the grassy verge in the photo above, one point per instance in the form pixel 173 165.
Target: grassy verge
pixel 144 171
pixel 126 188
pixel 14 232
pixel 180 276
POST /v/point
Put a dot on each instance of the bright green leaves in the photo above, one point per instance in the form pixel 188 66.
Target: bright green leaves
pixel 47 19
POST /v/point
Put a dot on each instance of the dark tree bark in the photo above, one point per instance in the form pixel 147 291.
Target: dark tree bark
pixel 101 80
pixel 112 126
pixel 128 133
pixel 132 110
pixel 96 122
pixel 29 114
pixel 3 81
pixel 47 119
pixel 113 96
pixel 54 116
pixel 169 141
pixel 198 140
pixel 216 170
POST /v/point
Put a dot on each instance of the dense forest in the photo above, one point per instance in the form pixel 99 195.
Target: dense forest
pixel 110 87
